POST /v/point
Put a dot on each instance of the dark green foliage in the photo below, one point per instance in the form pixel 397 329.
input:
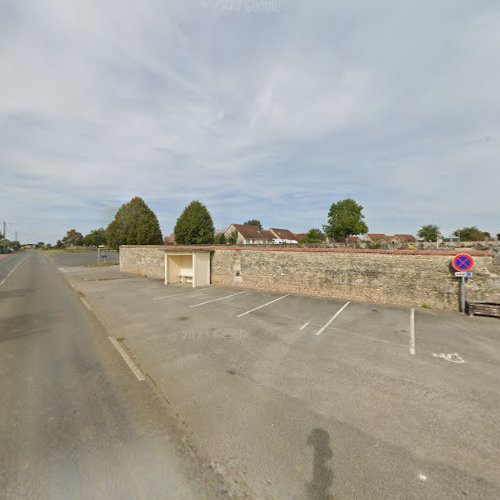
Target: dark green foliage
pixel 73 239
pixel 253 222
pixel 233 237
pixel 314 236
pixel 220 239
pixel 194 226
pixel 95 238
pixel 430 232
pixel 134 224
pixel 471 234
pixel 345 219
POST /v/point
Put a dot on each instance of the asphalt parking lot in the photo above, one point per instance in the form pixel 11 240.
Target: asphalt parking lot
pixel 297 397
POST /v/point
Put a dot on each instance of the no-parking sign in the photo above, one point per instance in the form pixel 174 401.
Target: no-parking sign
pixel 462 262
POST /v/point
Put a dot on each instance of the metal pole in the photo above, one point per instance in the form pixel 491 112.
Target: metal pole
pixel 98 254
pixel 462 295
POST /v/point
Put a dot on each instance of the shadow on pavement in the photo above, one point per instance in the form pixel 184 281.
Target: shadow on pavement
pixel 322 476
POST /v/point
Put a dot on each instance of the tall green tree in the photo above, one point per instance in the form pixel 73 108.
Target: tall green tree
pixel 134 224
pixel 430 232
pixel 253 222
pixel 95 238
pixel 345 219
pixel 471 234
pixel 73 239
pixel 194 226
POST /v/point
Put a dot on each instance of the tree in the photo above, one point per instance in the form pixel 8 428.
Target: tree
pixel 194 226
pixel 73 239
pixel 253 222
pixel 430 232
pixel 59 244
pixel 471 234
pixel 134 224
pixel 220 239
pixel 233 237
pixel 345 219
pixel 498 236
pixel 95 238
pixel 314 236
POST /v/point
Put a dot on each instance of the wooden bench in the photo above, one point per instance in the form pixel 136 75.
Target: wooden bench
pixel 186 275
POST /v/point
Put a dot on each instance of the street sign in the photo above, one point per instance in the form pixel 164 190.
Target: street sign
pixel 466 274
pixel 462 262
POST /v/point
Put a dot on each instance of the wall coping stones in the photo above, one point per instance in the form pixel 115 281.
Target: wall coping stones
pixel 187 248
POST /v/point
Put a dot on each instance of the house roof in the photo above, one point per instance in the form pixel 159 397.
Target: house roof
pixel 300 236
pixel 406 237
pixel 283 234
pixel 253 232
pixel 376 237
pixel 169 240
pixel 352 239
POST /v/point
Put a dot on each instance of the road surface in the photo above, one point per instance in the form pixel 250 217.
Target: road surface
pixel 74 421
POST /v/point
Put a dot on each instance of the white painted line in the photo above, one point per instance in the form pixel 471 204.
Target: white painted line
pixel 221 298
pixel 452 357
pixel 86 304
pixel 183 293
pixel 304 325
pixel 412 332
pixel 12 270
pixel 263 305
pixel 330 321
pixel 127 359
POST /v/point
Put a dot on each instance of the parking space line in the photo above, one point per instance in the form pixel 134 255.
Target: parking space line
pixel 412 332
pixel 216 300
pixel 263 305
pixel 183 293
pixel 304 325
pixel 330 321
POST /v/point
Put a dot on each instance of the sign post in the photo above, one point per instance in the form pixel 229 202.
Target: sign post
pixel 462 263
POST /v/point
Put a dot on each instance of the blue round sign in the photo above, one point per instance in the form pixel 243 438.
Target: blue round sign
pixel 462 262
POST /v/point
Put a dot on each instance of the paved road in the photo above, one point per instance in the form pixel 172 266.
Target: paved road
pixel 74 421
pixel 297 397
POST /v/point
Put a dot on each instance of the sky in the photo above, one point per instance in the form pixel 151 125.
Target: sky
pixel 266 109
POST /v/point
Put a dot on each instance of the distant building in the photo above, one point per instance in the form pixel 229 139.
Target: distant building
pixel 406 238
pixel 285 235
pixel 169 240
pixel 249 235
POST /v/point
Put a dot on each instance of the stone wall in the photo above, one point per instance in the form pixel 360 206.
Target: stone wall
pixel 412 278
pixel 144 260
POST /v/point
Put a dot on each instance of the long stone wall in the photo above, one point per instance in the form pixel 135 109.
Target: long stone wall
pixel 414 278
pixel 143 260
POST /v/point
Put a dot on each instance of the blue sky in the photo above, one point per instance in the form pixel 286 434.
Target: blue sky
pixel 258 115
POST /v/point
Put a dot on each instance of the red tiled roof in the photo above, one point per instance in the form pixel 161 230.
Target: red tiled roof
pixel 406 238
pixel 375 237
pixel 352 239
pixel 300 236
pixel 283 234
pixel 253 232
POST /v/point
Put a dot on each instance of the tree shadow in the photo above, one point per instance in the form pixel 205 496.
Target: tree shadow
pixel 322 476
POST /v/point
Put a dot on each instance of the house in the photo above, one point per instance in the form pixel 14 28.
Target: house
pixel 169 240
pixel 406 238
pixel 375 238
pixel 249 235
pixel 353 240
pixel 283 236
